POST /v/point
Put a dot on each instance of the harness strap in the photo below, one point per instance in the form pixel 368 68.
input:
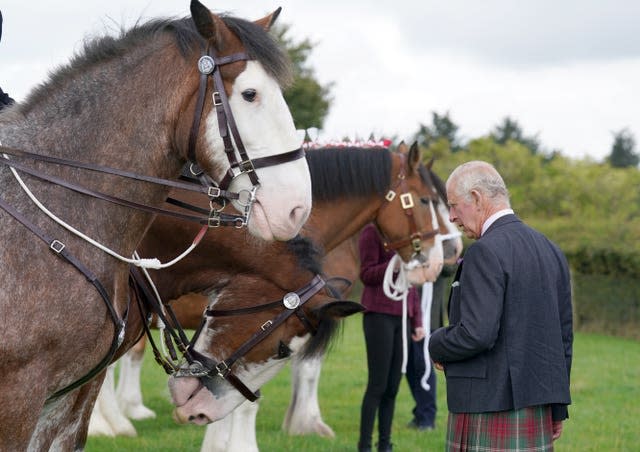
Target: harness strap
pixel 223 368
pixel 118 332
pixel 226 219
pixel 101 169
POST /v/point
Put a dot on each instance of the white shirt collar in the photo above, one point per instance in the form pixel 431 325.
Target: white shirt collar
pixel 494 217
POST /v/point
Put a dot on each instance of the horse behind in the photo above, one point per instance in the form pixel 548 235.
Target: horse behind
pixel 111 110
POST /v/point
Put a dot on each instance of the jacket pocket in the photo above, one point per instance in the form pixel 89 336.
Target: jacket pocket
pixel 469 368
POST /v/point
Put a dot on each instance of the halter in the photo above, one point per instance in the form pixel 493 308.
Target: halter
pixel 406 201
pixel 200 366
pixel 208 66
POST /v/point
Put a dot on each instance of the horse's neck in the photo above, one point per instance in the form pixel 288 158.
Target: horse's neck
pixel 332 222
pixel 222 254
pixel 96 117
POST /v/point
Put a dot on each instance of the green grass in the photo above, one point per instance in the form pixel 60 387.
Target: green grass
pixel 605 415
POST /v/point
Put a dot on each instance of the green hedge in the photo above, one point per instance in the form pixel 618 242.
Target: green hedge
pixel 606 303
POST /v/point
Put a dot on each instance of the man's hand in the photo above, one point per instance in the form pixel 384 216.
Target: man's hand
pixel 418 334
pixel 557 430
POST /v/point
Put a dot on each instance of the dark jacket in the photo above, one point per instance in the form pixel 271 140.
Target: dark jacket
pixel 373 263
pixel 509 340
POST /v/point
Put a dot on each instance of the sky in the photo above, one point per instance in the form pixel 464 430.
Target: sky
pixel 568 71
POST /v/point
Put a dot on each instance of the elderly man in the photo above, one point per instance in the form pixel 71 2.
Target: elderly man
pixel 507 350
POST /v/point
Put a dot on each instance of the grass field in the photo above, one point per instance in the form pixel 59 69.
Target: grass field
pixel 605 415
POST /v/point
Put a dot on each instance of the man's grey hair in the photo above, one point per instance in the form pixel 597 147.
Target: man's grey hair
pixel 480 176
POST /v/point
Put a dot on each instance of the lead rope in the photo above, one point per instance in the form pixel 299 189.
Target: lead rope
pixel 426 300
pixel 153 263
pixel 398 290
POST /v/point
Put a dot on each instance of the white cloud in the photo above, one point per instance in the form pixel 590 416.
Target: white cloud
pixel 565 70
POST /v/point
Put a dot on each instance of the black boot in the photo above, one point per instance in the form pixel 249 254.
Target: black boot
pixel 385 447
pixel 364 447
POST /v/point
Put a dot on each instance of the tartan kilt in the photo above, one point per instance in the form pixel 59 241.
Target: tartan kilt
pixel 529 429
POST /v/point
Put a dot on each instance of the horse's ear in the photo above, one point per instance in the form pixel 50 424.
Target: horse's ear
pixel 338 309
pixel 402 148
pixel 202 18
pixel 268 21
pixel 415 156
pixel 430 163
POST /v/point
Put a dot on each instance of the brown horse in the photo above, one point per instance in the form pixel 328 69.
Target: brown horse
pixel 113 107
pixel 356 192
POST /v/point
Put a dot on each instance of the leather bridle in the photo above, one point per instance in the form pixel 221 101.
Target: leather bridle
pixel 208 65
pixel 407 202
pixel 196 364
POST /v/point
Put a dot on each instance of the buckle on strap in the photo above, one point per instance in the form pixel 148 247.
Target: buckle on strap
pixel 406 200
pixel 223 369
pixel 57 246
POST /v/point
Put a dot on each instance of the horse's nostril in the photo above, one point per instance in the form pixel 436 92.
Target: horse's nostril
pixel 297 215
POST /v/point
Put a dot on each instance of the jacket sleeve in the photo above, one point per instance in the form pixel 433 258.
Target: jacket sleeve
pixel 480 299
pixel 373 261
pixel 413 298
pixel 565 309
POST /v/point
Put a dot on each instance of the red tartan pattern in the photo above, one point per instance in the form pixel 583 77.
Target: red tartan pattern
pixel 526 430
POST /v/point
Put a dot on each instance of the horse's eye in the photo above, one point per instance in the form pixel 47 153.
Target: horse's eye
pixel 249 95
pixel 425 201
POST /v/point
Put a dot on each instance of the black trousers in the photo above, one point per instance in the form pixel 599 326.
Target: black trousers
pixel 383 338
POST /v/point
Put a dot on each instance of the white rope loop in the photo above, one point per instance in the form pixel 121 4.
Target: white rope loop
pixel 152 263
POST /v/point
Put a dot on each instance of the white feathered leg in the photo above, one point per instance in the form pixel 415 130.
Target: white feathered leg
pixel 106 418
pixel 236 432
pixel 129 393
pixel 303 415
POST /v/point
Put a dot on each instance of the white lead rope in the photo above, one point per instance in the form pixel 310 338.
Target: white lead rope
pixel 152 263
pixel 398 290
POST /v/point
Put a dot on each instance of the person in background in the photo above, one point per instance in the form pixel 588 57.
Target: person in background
pixel 507 350
pixel 382 324
pixel 5 100
pixel 424 412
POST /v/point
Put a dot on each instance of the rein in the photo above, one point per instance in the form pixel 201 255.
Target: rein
pixel 200 366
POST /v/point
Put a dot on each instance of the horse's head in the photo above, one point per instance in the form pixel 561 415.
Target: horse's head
pixel 409 221
pixel 248 338
pixel 249 140
pixel 449 234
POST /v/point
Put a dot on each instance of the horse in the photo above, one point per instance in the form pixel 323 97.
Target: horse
pixel 110 114
pixel 303 413
pixel 349 204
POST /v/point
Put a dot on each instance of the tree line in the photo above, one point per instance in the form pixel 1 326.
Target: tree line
pixel 591 209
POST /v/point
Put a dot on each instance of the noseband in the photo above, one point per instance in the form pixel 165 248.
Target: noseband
pixel 196 364
pixel 406 201
pixel 208 65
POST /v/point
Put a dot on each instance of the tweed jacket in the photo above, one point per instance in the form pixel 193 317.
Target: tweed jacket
pixel 510 335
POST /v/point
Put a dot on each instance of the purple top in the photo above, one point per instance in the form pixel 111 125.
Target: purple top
pixel 373 264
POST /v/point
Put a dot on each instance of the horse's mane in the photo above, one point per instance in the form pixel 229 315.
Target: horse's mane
pixel 259 45
pixel 349 171
pixel 306 252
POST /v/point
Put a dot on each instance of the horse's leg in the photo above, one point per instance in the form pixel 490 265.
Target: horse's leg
pixel 98 425
pixel 243 428
pixel 236 432
pixel 21 403
pixel 128 392
pixel 63 423
pixel 216 437
pixel 303 414
pixel 107 418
